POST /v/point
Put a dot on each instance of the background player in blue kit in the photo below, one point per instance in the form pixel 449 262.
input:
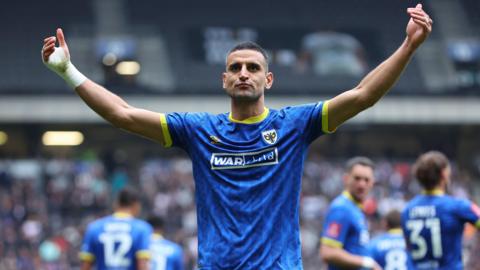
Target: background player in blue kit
pixel 248 163
pixel 433 222
pixel 389 249
pixel 165 254
pixel 345 232
pixel 119 241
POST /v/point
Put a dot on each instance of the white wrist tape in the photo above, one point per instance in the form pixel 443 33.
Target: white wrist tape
pixel 60 64
pixel 73 77
pixel 368 263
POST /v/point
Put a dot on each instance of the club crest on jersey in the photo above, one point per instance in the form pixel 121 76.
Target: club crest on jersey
pixel 269 136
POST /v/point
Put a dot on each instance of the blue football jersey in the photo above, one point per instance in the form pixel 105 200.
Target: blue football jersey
pixel 433 224
pixel 389 251
pixel 345 226
pixel 247 182
pixel 115 242
pixel 165 255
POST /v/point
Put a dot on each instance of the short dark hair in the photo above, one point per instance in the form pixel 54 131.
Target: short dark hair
pixel 364 161
pixel 428 168
pixel 127 197
pixel 250 45
pixel 157 222
pixel 393 219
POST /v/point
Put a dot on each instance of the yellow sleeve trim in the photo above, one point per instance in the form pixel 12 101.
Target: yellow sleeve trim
pixel 143 254
pixel 167 139
pixel 331 243
pixel 477 224
pixel 325 118
pixel 87 257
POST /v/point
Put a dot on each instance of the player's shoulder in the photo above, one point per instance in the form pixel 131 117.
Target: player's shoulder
pixel 299 107
pixel 197 116
pixel 141 224
pixel 448 201
pixel 176 247
pixel 98 224
pixel 444 202
pixel 340 201
pixel 458 203
pixel 166 245
pixel 101 220
pixel 380 237
pixel 342 204
pixel 202 120
pixel 419 199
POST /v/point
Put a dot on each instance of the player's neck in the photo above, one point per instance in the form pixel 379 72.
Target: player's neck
pixel 241 111
pixel 349 195
pixel 438 190
pixel 434 191
pixel 123 212
pixel 158 235
pixel 395 231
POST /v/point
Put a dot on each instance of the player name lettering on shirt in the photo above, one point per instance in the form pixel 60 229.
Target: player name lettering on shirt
pixel 220 161
pixel 422 212
pixel 118 227
pixel 162 250
pixel 391 243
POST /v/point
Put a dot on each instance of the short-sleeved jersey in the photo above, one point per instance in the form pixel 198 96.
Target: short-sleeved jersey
pixel 165 255
pixel 433 225
pixel 116 242
pixel 389 251
pixel 345 226
pixel 247 182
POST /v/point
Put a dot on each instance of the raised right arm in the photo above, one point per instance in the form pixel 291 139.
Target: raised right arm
pixel 105 103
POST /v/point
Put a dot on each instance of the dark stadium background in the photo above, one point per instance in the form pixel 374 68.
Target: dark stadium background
pixel 49 193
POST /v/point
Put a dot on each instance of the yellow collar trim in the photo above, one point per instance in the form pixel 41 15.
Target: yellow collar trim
pixel 350 197
pixel 157 236
pixel 395 231
pixel 122 215
pixel 253 119
pixel 433 192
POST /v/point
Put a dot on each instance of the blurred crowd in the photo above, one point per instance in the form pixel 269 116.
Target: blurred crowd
pixel 45 204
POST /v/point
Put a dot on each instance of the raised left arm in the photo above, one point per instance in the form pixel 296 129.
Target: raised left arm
pixel 383 77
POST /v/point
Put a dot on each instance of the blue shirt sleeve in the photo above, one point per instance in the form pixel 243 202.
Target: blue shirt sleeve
pixel 142 244
pixel 179 259
pixel 87 252
pixel 372 250
pixel 468 212
pixel 183 126
pixel 310 119
pixel 335 227
pixel 178 126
